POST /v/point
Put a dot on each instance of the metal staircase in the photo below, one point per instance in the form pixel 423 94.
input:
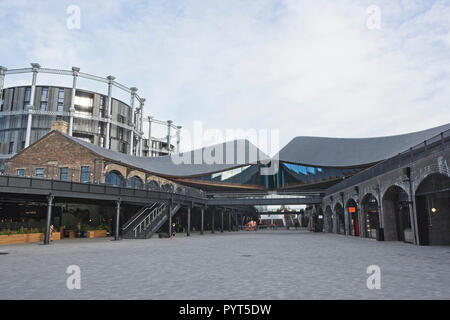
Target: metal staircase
pixel 147 221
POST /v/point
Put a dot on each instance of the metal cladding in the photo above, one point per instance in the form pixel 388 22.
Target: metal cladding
pixel 342 152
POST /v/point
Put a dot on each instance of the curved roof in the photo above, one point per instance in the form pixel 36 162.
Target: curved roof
pixel 347 152
pixel 207 160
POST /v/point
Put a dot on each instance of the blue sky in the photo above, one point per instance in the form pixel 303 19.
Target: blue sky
pixel 304 67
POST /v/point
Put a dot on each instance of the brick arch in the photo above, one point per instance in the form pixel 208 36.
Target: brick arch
pixel 432 172
pixel 115 167
pixel 138 174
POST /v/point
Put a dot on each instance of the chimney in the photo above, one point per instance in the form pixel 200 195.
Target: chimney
pixel 60 126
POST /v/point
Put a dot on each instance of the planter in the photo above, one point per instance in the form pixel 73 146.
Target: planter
pixel 96 233
pixel 26 237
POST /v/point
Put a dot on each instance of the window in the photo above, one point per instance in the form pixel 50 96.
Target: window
pixel 102 106
pixel 114 178
pixel 26 100
pixel 11 147
pixel 39 172
pixel 20 172
pixel 43 105
pixel 44 95
pixel 60 105
pixel 84 178
pixel 63 174
pixel 23 145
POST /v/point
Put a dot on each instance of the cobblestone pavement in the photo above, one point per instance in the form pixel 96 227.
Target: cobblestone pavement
pixel 294 264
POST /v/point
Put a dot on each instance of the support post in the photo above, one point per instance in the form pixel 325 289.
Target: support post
pixel 178 138
pixel 170 219
pixel 2 80
pixel 75 72
pixel 108 112
pixel 133 118
pixel 188 227
pixel 36 68
pixel 221 224
pixel 236 220
pixel 49 218
pixel 116 234
pixel 141 136
pixel 150 118
pixel 213 213
pixel 169 133
pixel 229 221
pixel 202 212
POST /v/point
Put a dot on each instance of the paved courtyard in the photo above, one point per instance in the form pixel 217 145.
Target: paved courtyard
pixel 294 264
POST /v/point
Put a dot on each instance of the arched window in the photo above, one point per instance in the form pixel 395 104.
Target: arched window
pixel 153 185
pixel 135 182
pixel 114 178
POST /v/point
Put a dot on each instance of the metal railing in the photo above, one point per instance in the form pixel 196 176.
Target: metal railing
pixel 51 172
pixel 138 215
pixel 149 218
pixel 437 143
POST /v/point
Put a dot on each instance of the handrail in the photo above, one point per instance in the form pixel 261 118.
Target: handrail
pixel 153 214
pixel 137 215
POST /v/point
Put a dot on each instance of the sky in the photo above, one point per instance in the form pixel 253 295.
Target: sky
pixel 306 68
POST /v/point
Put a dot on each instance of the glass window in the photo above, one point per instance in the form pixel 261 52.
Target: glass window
pixel 43 105
pixel 20 172
pixel 114 178
pixel 84 174
pixel 64 174
pixel 44 96
pixel 27 97
pixel 40 172
pixel 11 147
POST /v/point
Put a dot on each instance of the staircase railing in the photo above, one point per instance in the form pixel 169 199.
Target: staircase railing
pixel 136 217
pixel 149 218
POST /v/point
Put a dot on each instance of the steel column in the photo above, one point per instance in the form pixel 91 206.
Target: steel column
pixel 49 218
pixel 116 235
pixel 229 221
pixel 36 68
pixel 188 228
pixel 108 112
pixel 133 118
pixel 213 212
pixel 75 72
pixel 221 224
pixel 141 129
pixel 169 127
pixel 202 212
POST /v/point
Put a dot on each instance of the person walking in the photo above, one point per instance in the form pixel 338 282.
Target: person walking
pixel 172 236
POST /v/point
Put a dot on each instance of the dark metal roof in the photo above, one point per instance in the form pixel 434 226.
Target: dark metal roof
pixel 235 153
pixel 345 152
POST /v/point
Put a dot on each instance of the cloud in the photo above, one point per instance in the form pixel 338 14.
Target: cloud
pixel 306 68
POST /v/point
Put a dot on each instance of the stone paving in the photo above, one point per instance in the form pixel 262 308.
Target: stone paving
pixel 294 264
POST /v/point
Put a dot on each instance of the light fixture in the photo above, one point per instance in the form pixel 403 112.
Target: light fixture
pixel 434 210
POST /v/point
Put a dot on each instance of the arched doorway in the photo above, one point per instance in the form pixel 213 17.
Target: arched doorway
pixel 352 210
pixel 328 226
pixel 396 214
pixel 433 206
pixel 319 220
pixel 114 178
pixel 340 219
pixel 135 182
pixel 371 217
